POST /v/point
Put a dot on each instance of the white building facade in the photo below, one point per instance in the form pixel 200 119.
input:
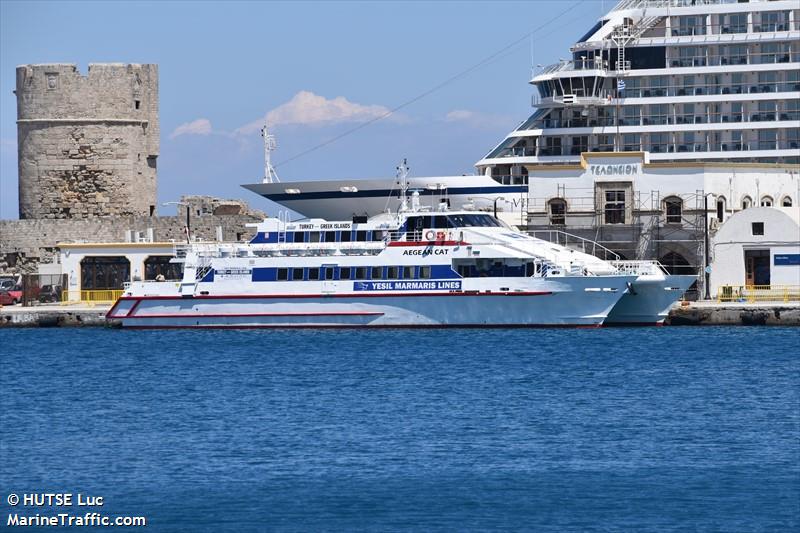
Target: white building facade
pixel 757 247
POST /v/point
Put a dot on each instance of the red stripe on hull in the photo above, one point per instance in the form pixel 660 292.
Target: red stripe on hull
pixel 353 326
pixel 427 243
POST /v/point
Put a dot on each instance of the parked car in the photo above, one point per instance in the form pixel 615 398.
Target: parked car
pixel 10 297
pixel 50 294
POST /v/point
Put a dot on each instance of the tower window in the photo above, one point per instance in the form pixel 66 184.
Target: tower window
pixel 758 228
pixel 136 104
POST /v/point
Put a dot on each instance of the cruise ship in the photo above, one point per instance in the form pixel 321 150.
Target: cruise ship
pixel 684 81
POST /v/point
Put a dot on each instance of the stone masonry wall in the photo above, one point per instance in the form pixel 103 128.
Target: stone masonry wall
pixel 88 145
pixel 25 243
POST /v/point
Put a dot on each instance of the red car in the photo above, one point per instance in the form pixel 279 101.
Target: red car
pixel 10 296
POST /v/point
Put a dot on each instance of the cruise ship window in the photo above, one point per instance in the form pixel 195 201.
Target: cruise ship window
pixel 392 272
pixel 361 235
pixel 330 236
pixel 377 235
pixel 735 23
pixel 377 272
pixel 329 273
pixel 408 272
pixel 283 274
pixel 297 274
pixel 299 236
pixel 345 235
pixel 344 273
pixel 424 272
pixel 313 273
pixel 614 208
pixel 361 272
pixel 313 236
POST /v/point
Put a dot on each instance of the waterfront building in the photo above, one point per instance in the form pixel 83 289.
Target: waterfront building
pixel 758 247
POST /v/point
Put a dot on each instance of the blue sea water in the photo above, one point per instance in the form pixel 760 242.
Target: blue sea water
pixel 652 429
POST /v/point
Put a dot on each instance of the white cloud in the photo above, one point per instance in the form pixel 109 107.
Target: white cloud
pixel 477 119
pixel 307 109
pixel 201 126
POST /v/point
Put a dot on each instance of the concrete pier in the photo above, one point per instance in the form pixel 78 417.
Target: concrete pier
pixel 735 314
pixel 54 316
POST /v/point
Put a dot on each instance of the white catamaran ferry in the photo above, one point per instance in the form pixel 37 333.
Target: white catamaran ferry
pixel 414 268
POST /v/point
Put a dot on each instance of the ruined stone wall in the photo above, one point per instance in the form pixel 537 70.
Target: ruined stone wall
pixel 25 243
pixel 88 145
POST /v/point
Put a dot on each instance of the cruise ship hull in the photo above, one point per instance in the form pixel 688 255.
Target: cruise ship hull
pixel 649 300
pixel 564 302
pixel 341 199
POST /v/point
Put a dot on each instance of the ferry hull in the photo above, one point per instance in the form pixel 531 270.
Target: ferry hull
pixel 650 300
pixel 504 309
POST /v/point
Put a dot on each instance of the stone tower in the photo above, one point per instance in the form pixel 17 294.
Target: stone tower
pixel 87 144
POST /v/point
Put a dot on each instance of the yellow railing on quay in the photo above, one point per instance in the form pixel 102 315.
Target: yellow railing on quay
pixel 758 293
pixel 90 297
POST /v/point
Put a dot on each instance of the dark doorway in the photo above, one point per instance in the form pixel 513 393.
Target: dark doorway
pixel 676 264
pixel 756 267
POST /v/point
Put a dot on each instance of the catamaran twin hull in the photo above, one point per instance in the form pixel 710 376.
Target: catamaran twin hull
pixel 563 302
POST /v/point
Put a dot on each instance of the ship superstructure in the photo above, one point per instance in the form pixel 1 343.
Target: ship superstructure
pixel 685 80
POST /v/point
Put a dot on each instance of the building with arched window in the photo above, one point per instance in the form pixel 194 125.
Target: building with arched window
pixel 757 247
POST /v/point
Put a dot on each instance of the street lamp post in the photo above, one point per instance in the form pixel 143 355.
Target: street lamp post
pixel 486 198
pixel 188 213
pixel 707 254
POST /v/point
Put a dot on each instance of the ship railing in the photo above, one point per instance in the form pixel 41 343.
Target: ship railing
pixel 639 267
pixel 575 242
pixel 758 293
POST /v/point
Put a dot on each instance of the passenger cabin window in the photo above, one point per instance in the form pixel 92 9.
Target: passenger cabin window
pixel 344 273
pixel 391 272
pixel 283 274
pixel 330 236
pixel 361 272
pixel 470 220
pixel 299 236
pixel 425 272
pixel 313 236
pixel 329 273
pixel 377 272
pixel 377 235
pixel 758 228
pixel 614 208
pixel 313 273
pixel 361 235
pixel 345 236
pixel 297 274
pixel 408 272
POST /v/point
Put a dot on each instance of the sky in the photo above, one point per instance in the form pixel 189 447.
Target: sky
pixel 316 70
